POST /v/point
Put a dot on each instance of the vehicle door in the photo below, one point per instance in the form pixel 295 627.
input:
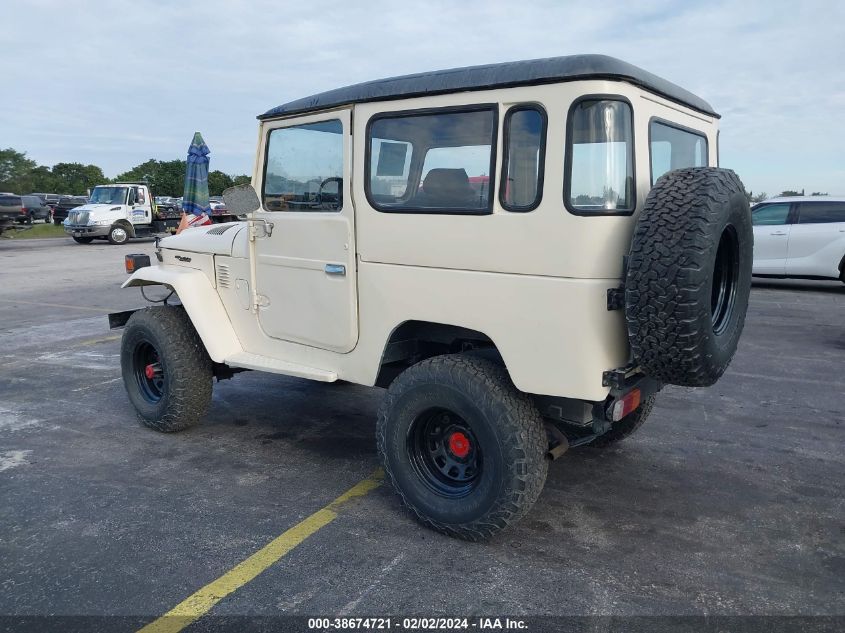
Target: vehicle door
pixel 140 206
pixel 305 268
pixel 817 240
pixel 771 238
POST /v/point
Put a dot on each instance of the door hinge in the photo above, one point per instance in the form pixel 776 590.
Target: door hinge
pixel 259 229
pixel 616 298
pixel 261 301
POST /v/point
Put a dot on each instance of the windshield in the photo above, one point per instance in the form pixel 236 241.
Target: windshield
pixel 108 195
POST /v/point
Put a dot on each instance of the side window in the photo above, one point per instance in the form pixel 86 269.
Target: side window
pixel 600 157
pixel 431 161
pixel 769 214
pixel 303 168
pixel 821 212
pixel 521 186
pixel 140 198
pixel 674 148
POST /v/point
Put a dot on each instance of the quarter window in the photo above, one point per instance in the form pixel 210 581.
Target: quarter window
pixel 431 161
pixel 674 148
pixel 821 212
pixel 770 214
pixel 521 187
pixel 600 157
pixel 304 168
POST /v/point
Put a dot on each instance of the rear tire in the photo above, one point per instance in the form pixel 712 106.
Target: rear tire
pixel 166 369
pixel 689 276
pixel 626 426
pixel 83 240
pixel 57 221
pixel 465 450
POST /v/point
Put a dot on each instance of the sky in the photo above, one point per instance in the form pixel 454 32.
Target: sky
pixel 116 83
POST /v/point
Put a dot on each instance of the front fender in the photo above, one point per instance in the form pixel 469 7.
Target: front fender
pixel 201 302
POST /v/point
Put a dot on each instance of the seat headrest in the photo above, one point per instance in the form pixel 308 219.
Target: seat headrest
pixel 447 185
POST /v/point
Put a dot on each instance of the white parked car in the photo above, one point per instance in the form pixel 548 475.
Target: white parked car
pixel 800 237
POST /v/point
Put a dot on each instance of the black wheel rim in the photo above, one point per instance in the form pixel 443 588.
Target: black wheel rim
pixel 148 372
pixel 725 276
pixel 444 453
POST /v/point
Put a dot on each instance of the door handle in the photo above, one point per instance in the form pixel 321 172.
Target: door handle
pixel 778 233
pixel 335 269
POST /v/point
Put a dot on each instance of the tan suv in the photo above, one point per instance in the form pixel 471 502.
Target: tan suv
pixel 522 254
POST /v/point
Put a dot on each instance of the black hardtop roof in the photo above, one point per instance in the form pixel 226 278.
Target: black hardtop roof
pixel 471 78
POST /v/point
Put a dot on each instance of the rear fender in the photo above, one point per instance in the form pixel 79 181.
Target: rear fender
pixel 201 302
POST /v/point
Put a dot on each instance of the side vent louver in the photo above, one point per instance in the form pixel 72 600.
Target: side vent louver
pixel 223 279
pixel 219 230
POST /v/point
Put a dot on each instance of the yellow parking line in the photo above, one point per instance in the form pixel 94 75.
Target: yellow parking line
pixel 198 604
pixel 102 311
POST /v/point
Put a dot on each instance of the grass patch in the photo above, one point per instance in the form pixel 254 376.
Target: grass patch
pixel 34 231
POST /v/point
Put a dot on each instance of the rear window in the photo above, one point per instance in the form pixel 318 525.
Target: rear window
pixel 821 212
pixel 672 147
pixel 432 161
pixel 10 201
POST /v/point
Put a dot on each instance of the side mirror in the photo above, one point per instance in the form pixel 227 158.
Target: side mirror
pixel 241 200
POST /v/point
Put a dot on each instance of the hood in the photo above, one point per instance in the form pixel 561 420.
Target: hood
pixel 217 239
pixel 96 207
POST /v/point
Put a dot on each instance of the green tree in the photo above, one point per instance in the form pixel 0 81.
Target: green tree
pixel 243 179
pixel 217 182
pixel 165 177
pixel 789 192
pixel 15 171
pixel 818 193
pixel 759 197
pixel 76 178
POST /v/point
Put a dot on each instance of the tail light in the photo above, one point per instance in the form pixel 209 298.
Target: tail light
pixel 625 405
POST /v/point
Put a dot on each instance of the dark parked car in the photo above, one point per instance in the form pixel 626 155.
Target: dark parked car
pixel 65 204
pixel 33 208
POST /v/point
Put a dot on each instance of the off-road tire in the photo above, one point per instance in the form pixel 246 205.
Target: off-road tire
pixel 83 240
pixel 116 237
pixel 626 426
pixel 508 428
pixel 57 221
pixel 692 240
pixel 186 367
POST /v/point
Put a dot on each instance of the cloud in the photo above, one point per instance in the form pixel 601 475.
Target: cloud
pixel 119 82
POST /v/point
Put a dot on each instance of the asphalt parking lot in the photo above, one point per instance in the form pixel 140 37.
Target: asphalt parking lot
pixel 729 501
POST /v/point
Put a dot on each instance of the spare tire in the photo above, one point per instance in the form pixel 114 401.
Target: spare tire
pixel 689 276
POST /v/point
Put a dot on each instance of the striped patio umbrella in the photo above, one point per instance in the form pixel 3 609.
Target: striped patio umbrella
pixel 195 199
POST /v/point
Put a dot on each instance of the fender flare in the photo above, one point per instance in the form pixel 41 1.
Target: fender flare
pixel 201 302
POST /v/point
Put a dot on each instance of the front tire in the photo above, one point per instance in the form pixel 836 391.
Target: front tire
pixel 166 369
pixel 465 450
pixel 118 234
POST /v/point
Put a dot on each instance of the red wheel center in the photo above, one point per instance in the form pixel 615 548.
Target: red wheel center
pixel 150 371
pixel 459 444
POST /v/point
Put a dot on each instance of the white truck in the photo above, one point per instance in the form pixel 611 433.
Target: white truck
pixel 118 212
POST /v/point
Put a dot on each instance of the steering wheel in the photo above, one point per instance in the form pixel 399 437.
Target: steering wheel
pixel 330 202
